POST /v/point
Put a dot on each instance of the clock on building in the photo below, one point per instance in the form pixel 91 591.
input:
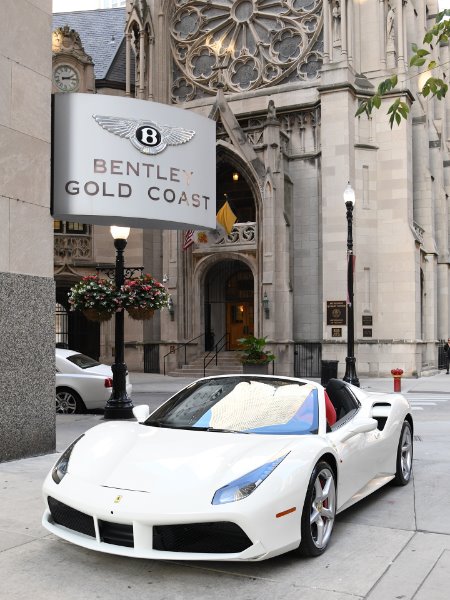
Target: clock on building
pixel 66 78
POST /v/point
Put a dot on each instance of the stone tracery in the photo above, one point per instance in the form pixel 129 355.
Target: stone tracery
pixel 243 44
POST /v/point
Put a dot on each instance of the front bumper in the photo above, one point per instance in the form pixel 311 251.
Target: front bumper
pixel 120 522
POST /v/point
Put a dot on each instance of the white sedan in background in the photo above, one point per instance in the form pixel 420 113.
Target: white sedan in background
pixel 82 383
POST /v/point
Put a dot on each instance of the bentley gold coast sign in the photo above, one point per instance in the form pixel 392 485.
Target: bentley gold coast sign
pixel 132 162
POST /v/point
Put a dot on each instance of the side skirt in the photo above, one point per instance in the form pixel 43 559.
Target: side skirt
pixel 374 484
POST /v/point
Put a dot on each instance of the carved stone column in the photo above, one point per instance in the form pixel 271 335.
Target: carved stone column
pixel 326 32
pixel 382 37
pixel 391 21
pixel 400 36
pixel 350 31
pixel 127 64
pixel 276 244
pixel 142 54
pixel 344 21
pixel 151 42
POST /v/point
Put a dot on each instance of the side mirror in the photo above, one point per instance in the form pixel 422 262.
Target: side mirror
pixel 360 426
pixel 141 412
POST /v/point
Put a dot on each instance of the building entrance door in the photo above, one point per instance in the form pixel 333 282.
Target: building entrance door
pixel 239 321
pixel 229 303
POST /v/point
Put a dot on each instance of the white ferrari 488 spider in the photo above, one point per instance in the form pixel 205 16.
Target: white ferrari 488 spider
pixel 236 467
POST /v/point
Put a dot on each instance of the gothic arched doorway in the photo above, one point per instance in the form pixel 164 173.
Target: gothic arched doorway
pixel 229 303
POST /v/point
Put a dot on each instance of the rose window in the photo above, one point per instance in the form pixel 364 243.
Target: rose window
pixel 244 44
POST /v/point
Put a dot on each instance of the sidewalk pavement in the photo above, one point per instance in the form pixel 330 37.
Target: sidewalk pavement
pixel 394 544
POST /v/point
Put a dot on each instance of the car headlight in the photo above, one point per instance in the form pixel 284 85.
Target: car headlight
pixel 245 485
pixel 60 469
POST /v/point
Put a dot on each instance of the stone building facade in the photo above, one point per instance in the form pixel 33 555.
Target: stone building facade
pixel 88 56
pixel 283 81
pixel 27 292
pixel 293 73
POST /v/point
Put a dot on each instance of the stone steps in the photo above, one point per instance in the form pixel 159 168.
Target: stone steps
pixel 227 362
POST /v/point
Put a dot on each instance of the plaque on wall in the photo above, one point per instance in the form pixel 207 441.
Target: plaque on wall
pixel 336 312
pixel 367 320
pixel 367 333
pixel 336 332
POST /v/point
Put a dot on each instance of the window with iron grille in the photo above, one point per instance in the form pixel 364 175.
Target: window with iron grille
pixel 61 326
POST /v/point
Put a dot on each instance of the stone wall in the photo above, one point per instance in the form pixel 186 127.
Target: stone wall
pixel 27 356
pixel 27 296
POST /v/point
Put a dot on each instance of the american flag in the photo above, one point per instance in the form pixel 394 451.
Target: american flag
pixel 188 239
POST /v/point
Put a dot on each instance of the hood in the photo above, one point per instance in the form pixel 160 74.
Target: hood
pixel 131 456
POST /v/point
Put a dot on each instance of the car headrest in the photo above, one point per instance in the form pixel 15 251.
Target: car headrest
pixel 340 395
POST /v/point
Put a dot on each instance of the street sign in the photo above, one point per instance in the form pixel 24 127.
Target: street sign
pixel 122 161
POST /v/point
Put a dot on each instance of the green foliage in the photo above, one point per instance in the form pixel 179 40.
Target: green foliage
pixel 433 86
pixel 254 351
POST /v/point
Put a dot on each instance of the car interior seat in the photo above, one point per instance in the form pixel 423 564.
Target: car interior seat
pixel 341 397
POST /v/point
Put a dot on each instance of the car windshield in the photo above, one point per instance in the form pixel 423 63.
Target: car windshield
pixel 242 405
pixel 82 361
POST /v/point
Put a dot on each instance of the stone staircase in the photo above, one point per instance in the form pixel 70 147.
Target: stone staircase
pixel 227 362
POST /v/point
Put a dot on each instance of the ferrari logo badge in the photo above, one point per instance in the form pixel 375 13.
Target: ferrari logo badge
pixel 117 499
pixel 148 137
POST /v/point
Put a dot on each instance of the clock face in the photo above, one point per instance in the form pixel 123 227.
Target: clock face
pixel 66 78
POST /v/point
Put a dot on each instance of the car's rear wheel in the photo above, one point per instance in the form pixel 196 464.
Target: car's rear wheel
pixel 319 511
pixel 404 455
pixel 68 402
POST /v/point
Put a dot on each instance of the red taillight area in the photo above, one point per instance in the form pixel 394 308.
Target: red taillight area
pixel 108 382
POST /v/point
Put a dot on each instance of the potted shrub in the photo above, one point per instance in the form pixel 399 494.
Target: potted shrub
pixel 95 297
pixel 255 357
pixel 142 295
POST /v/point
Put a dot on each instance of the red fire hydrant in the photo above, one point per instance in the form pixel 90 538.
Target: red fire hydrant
pixel 397 373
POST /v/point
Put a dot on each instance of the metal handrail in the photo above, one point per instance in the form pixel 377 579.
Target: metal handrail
pixel 224 340
pixel 177 348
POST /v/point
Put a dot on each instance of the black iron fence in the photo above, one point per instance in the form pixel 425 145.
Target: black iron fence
pixel 307 359
pixel 442 360
pixel 151 358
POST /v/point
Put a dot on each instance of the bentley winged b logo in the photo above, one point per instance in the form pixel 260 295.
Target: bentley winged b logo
pixel 148 137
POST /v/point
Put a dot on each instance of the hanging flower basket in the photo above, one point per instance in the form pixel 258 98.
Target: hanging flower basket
pixel 99 299
pixel 92 314
pixel 140 314
pixel 95 297
pixel 142 295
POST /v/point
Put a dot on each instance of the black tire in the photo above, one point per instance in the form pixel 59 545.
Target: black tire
pixel 404 456
pixel 319 511
pixel 68 402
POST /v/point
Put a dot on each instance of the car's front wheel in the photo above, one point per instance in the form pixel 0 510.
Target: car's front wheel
pixel 68 402
pixel 319 511
pixel 404 455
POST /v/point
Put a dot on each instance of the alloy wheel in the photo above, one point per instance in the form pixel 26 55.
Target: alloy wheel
pixel 323 508
pixel 406 453
pixel 66 403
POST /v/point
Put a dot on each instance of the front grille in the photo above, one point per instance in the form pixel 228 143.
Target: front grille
pixel 116 533
pixel 208 538
pixel 71 518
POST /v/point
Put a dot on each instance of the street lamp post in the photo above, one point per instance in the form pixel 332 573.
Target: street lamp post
pixel 350 361
pixel 119 406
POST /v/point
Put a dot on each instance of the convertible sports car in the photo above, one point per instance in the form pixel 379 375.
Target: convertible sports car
pixel 236 467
